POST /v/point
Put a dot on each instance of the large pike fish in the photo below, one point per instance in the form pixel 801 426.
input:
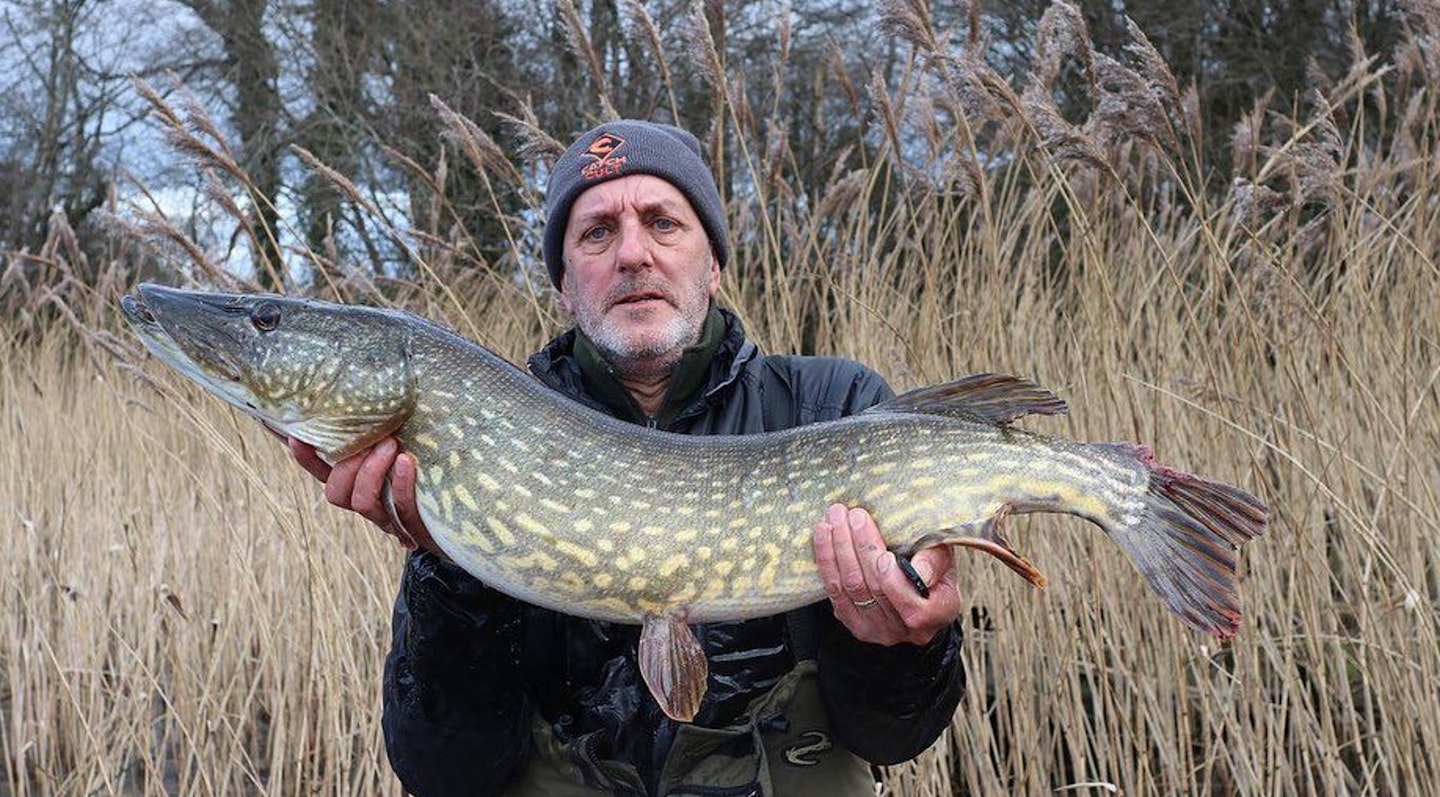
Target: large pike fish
pixel 567 508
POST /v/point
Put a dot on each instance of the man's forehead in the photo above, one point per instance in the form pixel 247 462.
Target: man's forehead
pixel 640 191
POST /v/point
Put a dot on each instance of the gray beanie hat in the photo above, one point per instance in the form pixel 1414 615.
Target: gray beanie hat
pixel 626 147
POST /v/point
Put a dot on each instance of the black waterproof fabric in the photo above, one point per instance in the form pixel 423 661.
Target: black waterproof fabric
pixel 469 666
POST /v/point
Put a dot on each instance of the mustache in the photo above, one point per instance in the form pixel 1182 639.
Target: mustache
pixel 634 286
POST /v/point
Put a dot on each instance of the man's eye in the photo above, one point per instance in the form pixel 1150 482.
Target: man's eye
pixel 665 225
pixel 595 234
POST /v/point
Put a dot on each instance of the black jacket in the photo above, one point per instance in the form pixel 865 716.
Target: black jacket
pixel 469 666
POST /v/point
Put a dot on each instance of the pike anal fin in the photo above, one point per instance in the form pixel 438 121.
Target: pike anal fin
pixel 673 665
pixel 992 540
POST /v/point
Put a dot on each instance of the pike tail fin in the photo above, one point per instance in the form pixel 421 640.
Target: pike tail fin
pixel 1186 540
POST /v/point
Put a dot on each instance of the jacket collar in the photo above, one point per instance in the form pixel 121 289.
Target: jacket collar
pixel 706 372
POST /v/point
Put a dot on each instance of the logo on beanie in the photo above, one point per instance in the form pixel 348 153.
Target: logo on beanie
pixel 605 162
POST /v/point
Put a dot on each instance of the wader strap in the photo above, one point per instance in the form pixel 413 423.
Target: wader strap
pixel 804 626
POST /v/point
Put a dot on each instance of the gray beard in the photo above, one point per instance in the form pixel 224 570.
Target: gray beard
pixel 647 358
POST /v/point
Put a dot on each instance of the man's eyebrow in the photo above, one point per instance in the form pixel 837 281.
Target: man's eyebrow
pixel 661 205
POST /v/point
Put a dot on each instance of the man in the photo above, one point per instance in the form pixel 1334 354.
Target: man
pixel 486 695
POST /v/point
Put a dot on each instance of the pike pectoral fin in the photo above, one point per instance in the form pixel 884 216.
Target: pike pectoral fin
pixel 992 540
pixel 673 665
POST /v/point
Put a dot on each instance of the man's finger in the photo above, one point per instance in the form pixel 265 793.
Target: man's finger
pixel 402 492
pixel 340 485
pixel 368 493
pixel 823 542
pixel 871 554
pixel 309 459
pixel 847 559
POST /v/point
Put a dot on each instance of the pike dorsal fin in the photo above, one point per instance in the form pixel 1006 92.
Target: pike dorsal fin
pixel 987 398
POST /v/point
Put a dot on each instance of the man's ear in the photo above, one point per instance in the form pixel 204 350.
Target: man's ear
pixel 714 274
pixel 563 298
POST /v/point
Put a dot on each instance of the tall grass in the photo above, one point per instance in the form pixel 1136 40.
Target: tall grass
pixel 187 617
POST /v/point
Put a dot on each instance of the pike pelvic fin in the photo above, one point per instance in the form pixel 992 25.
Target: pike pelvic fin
pixel 1186 541
pixel 986 398
pixel 673 665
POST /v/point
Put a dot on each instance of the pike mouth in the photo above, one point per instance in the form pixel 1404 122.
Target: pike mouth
pixel 208 365
pixel 134 309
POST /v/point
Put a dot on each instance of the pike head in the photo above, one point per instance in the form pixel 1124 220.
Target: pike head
pixel 335 376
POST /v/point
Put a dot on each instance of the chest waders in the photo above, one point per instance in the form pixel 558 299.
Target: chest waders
pixel 780 747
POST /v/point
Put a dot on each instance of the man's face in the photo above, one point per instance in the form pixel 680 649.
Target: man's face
pixel 639 272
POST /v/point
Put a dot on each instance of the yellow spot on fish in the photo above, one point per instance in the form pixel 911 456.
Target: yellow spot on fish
pixel 472 535
pixel 572 582
pixel 454 459
pixel 637 583
pixel 715 588
pixel 463 496
pixel 579 553
pixel 729 544
pixel 555 506
pixel 724 567
pixel 603 544
pixel 522 490
pixel 615 606
pixel 687 535
pixel 686 594
pixel 502 532
pixel 602 580
pixel 585 493
pixel 620 527
pixel 882 469
pixel 669 566
pixel 652 530
pixel 532 525
pixel 764 509
pixel 703 553
pixel 923 481
pixel 487 482
pixel 921 464
pixel 739 522
pixel 427 441
pixel 684 511
pixel 437 474
pixel 535 559
pixel 802 567
pixel 636 554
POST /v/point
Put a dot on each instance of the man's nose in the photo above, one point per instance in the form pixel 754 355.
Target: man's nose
pixel 633 249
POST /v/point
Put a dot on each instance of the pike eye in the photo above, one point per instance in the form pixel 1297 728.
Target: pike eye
pixel 265 316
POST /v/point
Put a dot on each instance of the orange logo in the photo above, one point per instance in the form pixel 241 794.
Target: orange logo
pixel 606 163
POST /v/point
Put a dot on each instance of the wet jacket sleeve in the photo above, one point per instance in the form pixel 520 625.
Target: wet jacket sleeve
pixel 887 703
pixel 455 721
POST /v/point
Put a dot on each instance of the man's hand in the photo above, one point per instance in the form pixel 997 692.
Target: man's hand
pixel 872 597
pixel 357 484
